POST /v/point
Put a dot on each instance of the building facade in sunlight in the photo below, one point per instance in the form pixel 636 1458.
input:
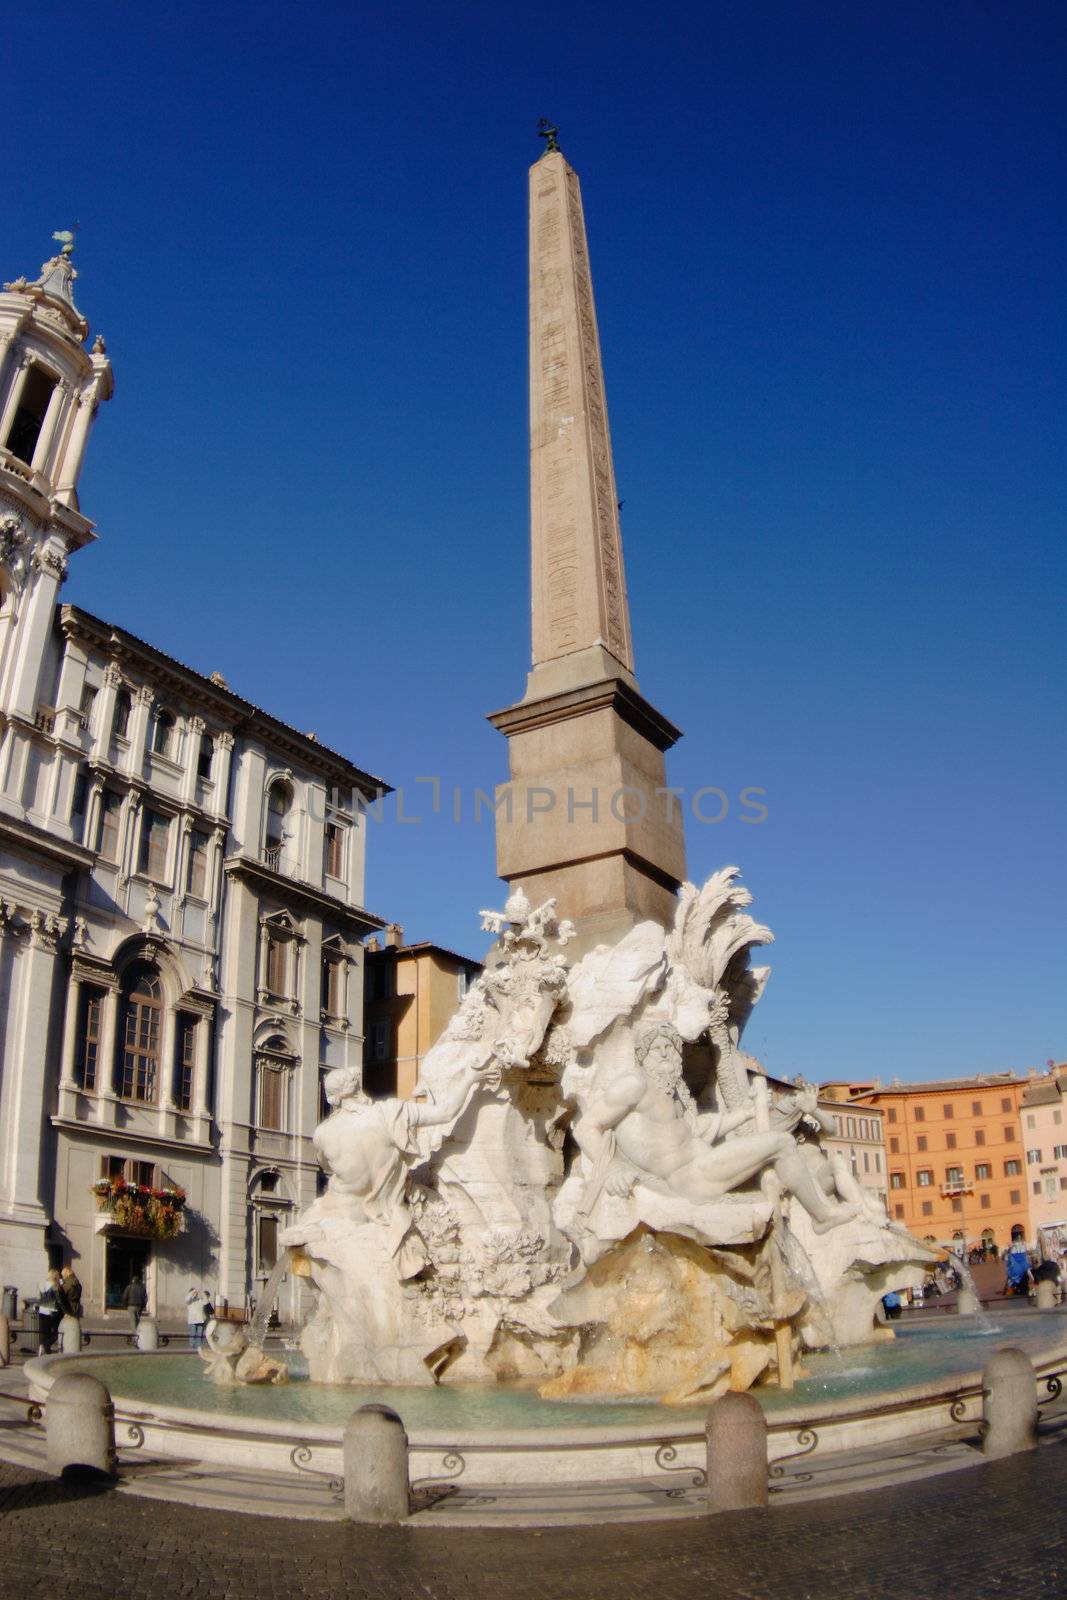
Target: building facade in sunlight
pixel 181 900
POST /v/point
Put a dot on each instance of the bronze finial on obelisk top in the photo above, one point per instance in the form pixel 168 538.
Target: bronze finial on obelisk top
pixel 546 131
pixel 587 817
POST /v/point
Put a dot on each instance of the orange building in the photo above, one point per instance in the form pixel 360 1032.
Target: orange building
pixel 411 992
pixel 955 1153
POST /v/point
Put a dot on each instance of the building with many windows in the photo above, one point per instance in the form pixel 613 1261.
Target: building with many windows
pixel 412 991
pixel 181 887
pixel 957 1166
pixel 859 1136
pixel 1044 1118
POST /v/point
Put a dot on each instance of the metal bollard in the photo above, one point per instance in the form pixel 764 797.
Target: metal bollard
pixel 70 1336
pixel 5 1342
pixel 1009 1404
pixel 376 1466
pixel 736 1438
pixel 79 1424
pixel 147 1334
pixel 1046 1294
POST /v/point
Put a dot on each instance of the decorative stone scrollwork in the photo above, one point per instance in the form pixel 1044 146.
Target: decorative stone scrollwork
pixel 51 562
pixel 14 550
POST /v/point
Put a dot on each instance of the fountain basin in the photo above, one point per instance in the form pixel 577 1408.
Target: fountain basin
pixel 927 1379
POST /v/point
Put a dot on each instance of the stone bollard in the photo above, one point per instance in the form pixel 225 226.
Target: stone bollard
pixel 966 1303
pixel 79 1424
pixel 1009 1404
pixel 1046 1294
pixel 376 1466
pixel 5 1342
pixel 70 1336
pixel 147 1334
pixel 736 1435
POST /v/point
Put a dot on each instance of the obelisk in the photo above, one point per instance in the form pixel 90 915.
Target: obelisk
pixel 587 817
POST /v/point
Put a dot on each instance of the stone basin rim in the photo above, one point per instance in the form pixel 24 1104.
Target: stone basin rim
pixel 41 1372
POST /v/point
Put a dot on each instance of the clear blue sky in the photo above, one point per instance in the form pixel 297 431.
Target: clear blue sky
pixel 829 249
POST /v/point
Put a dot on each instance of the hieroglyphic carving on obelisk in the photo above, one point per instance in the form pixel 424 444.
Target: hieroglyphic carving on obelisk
pixel 579 587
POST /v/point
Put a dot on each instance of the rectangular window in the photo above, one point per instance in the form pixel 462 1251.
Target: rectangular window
pixel 896 1180
pixel 1012 1169
pixel 1057 1117
pixel 380 1041
pixel 112 1166
pixel 924 1177
pixel 29 416
pixel 852 1127
pixel 920 1113
pixel 268 1243
pixel 1060 1152
pixel 333 986
pixel 950 1141
pixel 866 1162
pixel 79 804
pixel 979 1136
pixel 205 756
pixel 334 850
pixel 185 1064
pixel 928 1208
pixel 1031 1121
pixel 155 838
pixel 920 1143
pixel 984 1202
pixel 110 825
pixel 271 1099
pixel 196 883
pixel 1009 1135
pixel 87 1058
pixel 85 706
pixel 1049 1180
pixel 948 1112
pixel 983 1172
pixel 142 1172
pixel 1033 1158
pixel 892 1113
pixel 1015 1198
pixel 898 1212
pixel 957 1205
pixel 1005 1104
pixel 276 965
pixel 877 1161
pixel 1063 1183
pixel 976 1108
pixel 1037 1187
pixel 954 1176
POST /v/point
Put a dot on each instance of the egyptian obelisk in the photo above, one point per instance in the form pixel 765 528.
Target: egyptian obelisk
pixel 586 817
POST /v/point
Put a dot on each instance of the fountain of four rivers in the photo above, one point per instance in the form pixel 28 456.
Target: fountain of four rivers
pixel 594 1216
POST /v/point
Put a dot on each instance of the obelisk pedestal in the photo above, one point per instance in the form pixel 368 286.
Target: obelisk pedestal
pixel 586 817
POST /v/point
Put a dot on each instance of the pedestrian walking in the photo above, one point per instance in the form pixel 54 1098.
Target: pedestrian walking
pixel 135 1299
pixel 49 1312
pixel 70 1293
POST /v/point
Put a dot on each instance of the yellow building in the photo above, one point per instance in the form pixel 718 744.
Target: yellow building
pixel 411 992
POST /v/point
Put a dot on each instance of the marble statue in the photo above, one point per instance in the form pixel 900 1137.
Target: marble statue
pixel 593 1187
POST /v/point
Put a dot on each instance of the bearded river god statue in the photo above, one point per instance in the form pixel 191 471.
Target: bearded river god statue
pixel 593 1187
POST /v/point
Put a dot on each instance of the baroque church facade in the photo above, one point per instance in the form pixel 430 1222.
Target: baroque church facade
pixel 181 901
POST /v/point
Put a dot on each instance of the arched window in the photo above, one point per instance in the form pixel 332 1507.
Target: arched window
pixel 142 1026
pixel 273 1085
pixel 279 800
pixel 163 724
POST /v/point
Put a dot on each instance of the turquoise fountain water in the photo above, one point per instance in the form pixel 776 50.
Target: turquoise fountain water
pixel 921 1352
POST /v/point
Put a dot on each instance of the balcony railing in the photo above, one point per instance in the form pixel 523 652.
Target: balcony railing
pixel 954 1186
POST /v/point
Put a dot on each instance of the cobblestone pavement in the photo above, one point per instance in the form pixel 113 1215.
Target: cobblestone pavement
pixel 997 1530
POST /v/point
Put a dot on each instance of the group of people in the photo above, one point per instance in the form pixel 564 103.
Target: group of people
pixel 198 1313
pixel 61 1296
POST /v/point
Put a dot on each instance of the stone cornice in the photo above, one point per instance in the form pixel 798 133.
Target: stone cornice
pixel 26 836
pixel 612 694
pixel 302 894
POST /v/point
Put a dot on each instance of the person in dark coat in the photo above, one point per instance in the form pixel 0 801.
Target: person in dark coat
pixel 135 1299
pixel 70 1293
pixel 49 1311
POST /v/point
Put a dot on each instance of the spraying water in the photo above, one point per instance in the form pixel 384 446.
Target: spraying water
pixel 257 1328
pixel 967 1279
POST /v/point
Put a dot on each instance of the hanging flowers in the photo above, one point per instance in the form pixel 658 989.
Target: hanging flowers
pixel 136 1208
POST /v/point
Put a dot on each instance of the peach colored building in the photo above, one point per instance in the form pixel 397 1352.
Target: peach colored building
pixel 1044 1119
pixel 411 992
pixel 956 1158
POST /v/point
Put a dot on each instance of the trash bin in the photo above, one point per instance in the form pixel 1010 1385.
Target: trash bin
pixel 9 1306
pixel 31 1323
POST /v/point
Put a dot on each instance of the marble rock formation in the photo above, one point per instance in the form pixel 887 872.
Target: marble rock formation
pixel 593 1187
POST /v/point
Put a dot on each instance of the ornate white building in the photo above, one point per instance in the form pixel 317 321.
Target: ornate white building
pixel 181 886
